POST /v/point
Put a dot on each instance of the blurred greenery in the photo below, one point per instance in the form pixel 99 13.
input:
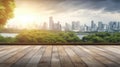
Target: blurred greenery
pixel 103 37
pixel 36 36
pixel 7 39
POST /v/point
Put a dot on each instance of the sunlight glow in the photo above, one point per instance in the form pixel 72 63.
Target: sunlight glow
pixel 24 16
pixel 25 19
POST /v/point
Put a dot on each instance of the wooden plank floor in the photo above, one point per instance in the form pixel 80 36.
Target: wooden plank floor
pixel 60 56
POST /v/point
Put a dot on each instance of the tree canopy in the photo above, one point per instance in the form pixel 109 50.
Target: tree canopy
pixel 102 37
pixel 37 36
pixel 6 11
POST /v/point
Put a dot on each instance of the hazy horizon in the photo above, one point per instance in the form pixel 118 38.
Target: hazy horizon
pixel 38 11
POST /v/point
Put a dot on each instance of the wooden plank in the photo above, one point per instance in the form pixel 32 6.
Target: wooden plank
pixel 5 48
pixel 55 61
pixel 11 54
pixel 60 56
pixel 45 61
pixel 111 50
pixel 86 57
pixel 8 62
pixel 8 51
pixel 36 58
pixel 64 58
pixel 75 58
pixel 8 54
pixel 105 61
pixel 25 59
pixel 102 53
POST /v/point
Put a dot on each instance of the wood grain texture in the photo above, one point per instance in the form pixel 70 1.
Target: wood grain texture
pixel 60 56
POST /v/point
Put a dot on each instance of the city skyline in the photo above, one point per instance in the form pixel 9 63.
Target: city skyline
pixel 76 26
pixel 75 10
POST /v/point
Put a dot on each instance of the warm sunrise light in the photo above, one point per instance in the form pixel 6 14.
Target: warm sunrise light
pixel 25 16
pixel 31 13
pixel 25 19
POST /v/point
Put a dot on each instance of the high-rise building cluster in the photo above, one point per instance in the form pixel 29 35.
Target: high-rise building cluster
pixel 75 26
pixel 94 27
pixel 101 27
pixel 54 26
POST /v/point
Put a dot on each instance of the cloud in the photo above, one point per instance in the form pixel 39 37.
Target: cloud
pixel 105 5
pixel 117 1
pixel 60 6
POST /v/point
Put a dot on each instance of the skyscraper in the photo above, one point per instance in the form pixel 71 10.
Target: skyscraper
pixel 100 27
pixel 57 26
pixel 113 26
pixel 67 27
pixel 44 27
pixel 51 23
pixel 86 28
pixel 75 25
pixel 93 26
pixel 119 26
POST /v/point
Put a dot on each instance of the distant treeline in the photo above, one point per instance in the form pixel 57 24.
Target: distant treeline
pixel 37 36
pixel 6 30
pixel 42 36
pixel 102 37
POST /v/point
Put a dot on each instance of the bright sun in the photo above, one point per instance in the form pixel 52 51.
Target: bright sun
pixel 24 19
pixel 24 16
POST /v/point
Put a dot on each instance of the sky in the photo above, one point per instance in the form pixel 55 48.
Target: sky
pixel 85 11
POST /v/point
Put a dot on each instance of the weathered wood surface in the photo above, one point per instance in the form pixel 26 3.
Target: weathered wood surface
pixel 60 56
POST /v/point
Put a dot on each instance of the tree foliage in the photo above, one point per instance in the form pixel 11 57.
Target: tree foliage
pixel 7 39
pixel 103 37
pixel 36 36
pixel 6 10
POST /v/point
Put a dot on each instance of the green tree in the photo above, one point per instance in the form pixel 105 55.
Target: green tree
pixel 6 11
pixel 97 39
pixel 37 36
pixel 102 34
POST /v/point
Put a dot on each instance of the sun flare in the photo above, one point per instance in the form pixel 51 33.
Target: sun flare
pixel 25 19
pixel 24 16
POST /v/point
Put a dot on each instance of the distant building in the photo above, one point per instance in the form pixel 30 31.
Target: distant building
pixel 93 26
pixel 82 28
pixel 44 27
pixel 86 28
pixel 101 27
pixel 67 27
pixel 119 26
pixel 51 23
pixel 57 26
pixel 75 26
pixel 113 26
